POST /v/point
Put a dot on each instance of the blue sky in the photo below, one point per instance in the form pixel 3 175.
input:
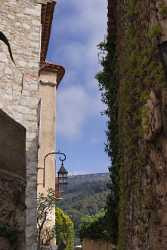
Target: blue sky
pixel 78 27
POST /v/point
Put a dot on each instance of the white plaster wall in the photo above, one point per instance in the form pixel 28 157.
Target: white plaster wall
pixel 47 92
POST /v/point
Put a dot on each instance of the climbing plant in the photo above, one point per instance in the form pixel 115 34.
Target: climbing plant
pixel 131 69
pixel 141 71
pixel 45 207
pixel 108 85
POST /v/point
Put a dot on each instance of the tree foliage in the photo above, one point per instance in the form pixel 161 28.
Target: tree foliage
pixel 64 229
pixel 108 86
pixel 94 227
pixel 84 197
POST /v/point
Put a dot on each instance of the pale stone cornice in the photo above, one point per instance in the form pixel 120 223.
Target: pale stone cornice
pixel 47 78
pixel 48 71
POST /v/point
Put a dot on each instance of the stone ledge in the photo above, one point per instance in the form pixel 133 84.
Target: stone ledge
pixel 53 72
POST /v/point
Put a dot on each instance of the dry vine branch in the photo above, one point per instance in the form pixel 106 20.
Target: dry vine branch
pixel 45 206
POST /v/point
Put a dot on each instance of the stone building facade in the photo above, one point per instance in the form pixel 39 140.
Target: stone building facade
pixel 49 78
pixel 23 86
pixel 12 182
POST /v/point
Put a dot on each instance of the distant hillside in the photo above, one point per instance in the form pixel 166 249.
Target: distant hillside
pixel 87 177
pixel 85 195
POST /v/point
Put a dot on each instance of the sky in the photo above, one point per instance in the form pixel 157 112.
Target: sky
pixel 78 27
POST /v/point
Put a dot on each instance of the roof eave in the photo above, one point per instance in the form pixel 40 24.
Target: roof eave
pixel 53 68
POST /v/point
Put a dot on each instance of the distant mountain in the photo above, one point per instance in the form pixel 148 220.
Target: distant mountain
pixel 84 195
pixel 75 179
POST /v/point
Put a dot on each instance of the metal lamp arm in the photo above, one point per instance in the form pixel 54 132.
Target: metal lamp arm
pixel 46 156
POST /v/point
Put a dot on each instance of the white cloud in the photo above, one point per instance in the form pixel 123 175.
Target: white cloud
pixel 86 16
pixel 79 100
pixel 88 19
pixel 75 107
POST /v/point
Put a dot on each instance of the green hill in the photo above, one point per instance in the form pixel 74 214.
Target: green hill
pixel 85 195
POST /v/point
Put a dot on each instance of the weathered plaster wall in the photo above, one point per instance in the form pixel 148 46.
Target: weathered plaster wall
pixel 47 93
pixel 20 21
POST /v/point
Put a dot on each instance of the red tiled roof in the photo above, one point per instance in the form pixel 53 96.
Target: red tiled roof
pixel 46 20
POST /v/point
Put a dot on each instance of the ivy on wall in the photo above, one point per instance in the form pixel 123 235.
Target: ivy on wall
pixel 108 84
pixel 141 73
pixel 131 69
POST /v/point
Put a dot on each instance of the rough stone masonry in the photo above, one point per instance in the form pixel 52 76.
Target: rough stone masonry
pixel 20 21
pixel 137 29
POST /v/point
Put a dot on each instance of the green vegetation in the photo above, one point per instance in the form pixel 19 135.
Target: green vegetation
pixel 131 69
pixel 108 85
pixel 142 72
pixel 85 196
pixel 64 229
pixel 94 227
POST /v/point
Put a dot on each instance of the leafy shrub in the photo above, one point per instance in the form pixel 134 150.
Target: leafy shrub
pixel 94 227
pixel 64 229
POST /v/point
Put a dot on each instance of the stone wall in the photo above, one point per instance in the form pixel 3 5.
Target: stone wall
pixel 12 208
pixel 12 182
pixel 21 23
pixel 138 28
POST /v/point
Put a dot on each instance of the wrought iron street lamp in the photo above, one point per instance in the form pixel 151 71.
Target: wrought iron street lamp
pixel 62 173
pixel 62 177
